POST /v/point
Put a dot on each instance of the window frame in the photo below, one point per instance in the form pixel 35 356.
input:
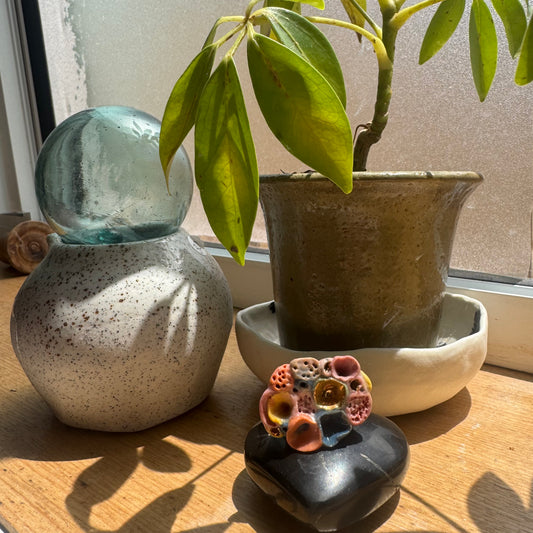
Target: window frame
pixel 19 128
pixel 509 305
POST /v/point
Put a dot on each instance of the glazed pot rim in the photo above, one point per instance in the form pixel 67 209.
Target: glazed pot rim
pixel 402 175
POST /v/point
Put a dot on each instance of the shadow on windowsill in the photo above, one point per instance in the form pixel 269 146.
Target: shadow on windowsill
pixel 431 423
pixel 507 372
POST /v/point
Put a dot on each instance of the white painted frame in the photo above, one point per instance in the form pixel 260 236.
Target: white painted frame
pixel 19 128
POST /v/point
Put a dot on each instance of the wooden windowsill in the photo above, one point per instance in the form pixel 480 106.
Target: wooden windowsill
pixel 471 461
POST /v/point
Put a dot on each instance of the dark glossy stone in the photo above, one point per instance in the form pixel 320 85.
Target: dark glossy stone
pixel 332 487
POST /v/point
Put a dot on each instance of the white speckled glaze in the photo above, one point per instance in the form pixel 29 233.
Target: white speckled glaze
pixel 404 380
pixel 122 337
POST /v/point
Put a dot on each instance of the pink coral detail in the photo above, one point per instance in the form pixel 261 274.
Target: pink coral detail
pixel 306 404
pixel 282 378
pixel 305 368
pixel 325 367
pixel 358 408
pixel 345 368
pixel 303 433
pixel 359 384
pixel 263 410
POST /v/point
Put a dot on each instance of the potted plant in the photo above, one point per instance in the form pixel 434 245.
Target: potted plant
pixel 364 259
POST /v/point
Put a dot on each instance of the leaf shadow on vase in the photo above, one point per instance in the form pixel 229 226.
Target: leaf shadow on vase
pixel 494 506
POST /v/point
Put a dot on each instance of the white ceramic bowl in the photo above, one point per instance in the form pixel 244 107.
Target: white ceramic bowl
pixel 405 380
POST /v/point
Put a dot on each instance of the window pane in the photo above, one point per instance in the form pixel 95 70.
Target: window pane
pixel 130 52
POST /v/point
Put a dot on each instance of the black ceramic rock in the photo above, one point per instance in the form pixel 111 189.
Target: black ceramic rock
pixel 331 488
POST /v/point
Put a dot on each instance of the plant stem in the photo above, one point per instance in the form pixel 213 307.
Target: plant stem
pixel 366 16
pixel 377 43
pixel 222 20
pixel 237 42
pixel 402 16
pixel 370 133
pixel 250 8
pixel 230 34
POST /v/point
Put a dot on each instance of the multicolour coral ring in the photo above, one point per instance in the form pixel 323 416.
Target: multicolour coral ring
pixel 314 403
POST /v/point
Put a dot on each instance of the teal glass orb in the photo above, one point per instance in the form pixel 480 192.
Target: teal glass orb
pixel 99 179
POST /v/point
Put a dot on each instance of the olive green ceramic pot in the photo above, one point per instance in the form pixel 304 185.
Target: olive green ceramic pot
pixel 367 269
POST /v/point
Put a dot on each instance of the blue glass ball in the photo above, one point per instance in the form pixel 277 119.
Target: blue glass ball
pixel 99 179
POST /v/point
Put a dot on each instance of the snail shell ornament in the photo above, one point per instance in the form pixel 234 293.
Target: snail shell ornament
pixel 316 403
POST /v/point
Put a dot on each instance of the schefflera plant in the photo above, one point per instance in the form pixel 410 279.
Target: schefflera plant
pixel 299 86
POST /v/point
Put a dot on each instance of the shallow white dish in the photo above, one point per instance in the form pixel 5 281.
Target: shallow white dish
pixel 405 380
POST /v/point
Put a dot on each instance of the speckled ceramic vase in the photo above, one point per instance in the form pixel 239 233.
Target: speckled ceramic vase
pixel 365 269
pixel 121 337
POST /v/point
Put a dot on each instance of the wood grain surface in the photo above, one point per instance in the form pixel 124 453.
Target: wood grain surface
pixel 471 461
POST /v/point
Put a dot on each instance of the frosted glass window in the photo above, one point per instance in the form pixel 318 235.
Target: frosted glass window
pixel 130 52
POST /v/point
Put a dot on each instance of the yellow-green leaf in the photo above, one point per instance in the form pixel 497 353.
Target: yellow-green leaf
pixel 483 47
pixel 225 162
pixel 514 21
pixel 524 69
pixel 354 14
pixel 301 109
pixel 180 111
pixel 287 4
pixel 441 28
pixel 306 40
pixel 315 3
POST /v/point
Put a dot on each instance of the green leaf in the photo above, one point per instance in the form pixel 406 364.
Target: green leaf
pixel 483 47
pixel 514 21
pixel 293 6
pixel 301 109
pixel 354 14
pixel 180 111
pixel 306 40
pixel 225 162
pixel 315 3
pixel 524 69
pixel 441 28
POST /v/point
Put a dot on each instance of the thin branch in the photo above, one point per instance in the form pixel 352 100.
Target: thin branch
pixel 220 21
pixel 402 16
pixel 250 7
pixel 231 33
pixel 367 17
pixel 381 52
pixel 238 41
